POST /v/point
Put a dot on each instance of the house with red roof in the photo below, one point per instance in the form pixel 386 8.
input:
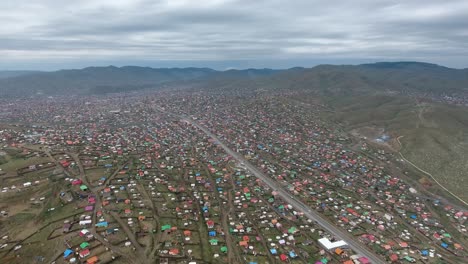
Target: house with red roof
pixel 174 251
pixel 283 257
pixel 210 223
pixel 84 253
pixel 77 182
pixel 243 244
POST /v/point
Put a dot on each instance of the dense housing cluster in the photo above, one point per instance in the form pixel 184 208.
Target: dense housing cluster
pixel 134 178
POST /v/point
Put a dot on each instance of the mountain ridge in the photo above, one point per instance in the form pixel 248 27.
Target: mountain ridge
pixel 10 74
pixel 409 77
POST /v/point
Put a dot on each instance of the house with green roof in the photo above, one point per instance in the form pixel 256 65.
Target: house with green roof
pixel 165 227
pixel 84 245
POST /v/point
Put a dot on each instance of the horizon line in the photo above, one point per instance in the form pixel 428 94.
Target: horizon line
pixel 235 68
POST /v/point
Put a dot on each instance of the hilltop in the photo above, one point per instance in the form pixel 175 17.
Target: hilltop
pixel 10 74
pixel 111 79
pixel 402 77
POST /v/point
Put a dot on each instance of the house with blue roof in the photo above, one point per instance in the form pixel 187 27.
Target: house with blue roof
pixel 102 224
pixel 67 253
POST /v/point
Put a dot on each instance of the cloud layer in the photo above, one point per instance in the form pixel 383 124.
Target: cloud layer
pixel 230 33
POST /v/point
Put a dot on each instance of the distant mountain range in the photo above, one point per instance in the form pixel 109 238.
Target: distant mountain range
pixel 9 74
pixel 405 77
pixel 99 80
pixel 408 77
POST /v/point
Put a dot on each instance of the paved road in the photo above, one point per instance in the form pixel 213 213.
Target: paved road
pixel 308 212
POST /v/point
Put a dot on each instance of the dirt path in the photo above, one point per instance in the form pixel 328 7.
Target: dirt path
pixel 139 249
pixel 128 258
pixel 107 181
pixel 155 214
pixel 233 255
pixel 84 178
pixel 421 109
pixel 140 257
pixel 427 173
pixel 224 221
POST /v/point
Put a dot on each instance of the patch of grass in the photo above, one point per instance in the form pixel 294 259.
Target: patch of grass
pixel 15 163
pixel 21 218
pixel 435 136
pixel 3 159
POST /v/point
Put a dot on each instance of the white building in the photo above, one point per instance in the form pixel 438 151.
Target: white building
pixel 86 222
pixel 328 245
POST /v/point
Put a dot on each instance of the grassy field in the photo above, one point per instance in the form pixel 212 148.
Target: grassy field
pixel 11 163
pixel 434 135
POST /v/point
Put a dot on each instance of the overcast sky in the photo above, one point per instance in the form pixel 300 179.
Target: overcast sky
pixel 54 34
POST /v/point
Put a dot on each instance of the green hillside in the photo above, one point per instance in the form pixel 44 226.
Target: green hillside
pixel 434 136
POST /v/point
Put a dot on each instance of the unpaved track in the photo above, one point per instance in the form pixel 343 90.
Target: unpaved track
pixel 428 174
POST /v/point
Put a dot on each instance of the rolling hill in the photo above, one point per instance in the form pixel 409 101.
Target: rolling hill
pixel 433 135
pixel 10 74
pixel 89 80
pixel 402 77
pixel 101 80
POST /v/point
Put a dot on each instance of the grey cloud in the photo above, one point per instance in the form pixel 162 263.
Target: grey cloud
pixel 261 32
